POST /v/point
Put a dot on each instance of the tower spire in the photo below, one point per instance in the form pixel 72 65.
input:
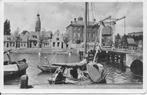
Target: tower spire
pixel 38 23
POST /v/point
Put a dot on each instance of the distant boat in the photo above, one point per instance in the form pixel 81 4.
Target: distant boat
pixel 13 68
pixel 47 67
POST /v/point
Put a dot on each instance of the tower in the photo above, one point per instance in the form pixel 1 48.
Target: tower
pixel 38 24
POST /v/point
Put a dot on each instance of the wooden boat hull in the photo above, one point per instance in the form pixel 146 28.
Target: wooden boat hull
pixel 13 74
pixel 15 69
pixel 46 68
pixel 96 72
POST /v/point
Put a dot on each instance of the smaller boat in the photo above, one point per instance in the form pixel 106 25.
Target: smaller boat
pixel 47 67
pixel 13 69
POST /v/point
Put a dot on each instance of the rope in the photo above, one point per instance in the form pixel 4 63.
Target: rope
pixel 87 15
pixel 124 26
pixel 92 11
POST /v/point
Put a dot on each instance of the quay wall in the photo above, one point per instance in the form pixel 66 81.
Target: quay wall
pixel 44 50
pixel 131 57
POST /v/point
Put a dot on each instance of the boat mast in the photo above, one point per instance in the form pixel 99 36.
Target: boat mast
pixel 85 27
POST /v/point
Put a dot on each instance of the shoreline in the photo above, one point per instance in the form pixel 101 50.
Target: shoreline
pixel 44 50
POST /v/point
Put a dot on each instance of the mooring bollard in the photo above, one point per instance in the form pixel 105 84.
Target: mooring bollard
pixel 24 81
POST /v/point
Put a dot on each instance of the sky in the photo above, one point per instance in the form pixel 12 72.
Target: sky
pixel 58 15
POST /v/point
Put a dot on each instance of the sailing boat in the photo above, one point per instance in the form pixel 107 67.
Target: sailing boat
pixel 13 69
pixel 94 70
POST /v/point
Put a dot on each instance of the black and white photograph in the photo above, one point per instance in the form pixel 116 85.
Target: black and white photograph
pixel 73 45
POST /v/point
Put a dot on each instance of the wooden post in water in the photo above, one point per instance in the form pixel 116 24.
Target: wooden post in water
pixel 122 64
pixel 24 81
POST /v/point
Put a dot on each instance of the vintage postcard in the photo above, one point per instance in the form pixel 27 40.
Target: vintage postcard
pixel 73 46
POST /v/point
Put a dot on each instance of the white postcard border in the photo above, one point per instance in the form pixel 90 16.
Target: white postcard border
pixel 74 90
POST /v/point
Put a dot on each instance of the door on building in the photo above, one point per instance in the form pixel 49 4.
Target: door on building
pixel 62 45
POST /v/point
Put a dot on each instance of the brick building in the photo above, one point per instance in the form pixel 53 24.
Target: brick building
pixel 76 30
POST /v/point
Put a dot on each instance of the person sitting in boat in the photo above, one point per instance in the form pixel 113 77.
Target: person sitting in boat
pixel 74 72
pixel 60 78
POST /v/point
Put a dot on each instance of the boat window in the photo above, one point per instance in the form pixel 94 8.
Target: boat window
pixel 7 45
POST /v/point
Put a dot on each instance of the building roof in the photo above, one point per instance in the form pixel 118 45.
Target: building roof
pixel 47 34
pixel 8 38
pixel 34 35
pixel 24 32
pixel 80 22
pixel 136 34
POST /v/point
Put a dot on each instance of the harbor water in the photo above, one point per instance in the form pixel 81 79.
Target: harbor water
pixel 36 77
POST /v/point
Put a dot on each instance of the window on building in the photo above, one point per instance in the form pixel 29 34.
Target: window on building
pixel 7 45
pixel 13 44
pixel 34 36
pixel 35 43
pixel 53 44
pixel 57 39
pixel 58 44
pixel 66 45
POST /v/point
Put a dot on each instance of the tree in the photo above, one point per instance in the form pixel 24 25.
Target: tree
pixel 66 38
pixel 117 41
pixel 24 32
pixel 7 29
pixel 16 32
pixel 17 36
